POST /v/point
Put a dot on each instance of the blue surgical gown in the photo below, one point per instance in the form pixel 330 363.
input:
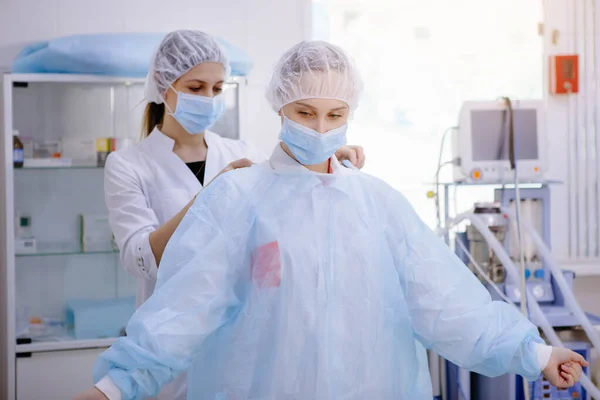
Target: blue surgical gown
pixel 288 285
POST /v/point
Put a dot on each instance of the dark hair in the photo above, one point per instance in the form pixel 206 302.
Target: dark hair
pixel 153 115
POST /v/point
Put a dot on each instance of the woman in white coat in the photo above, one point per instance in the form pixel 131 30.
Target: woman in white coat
pixel 149 187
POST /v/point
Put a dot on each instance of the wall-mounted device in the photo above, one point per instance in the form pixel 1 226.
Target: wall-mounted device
pixel 564 74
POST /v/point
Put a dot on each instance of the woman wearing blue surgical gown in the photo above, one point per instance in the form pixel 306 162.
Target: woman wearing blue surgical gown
pixel 300 279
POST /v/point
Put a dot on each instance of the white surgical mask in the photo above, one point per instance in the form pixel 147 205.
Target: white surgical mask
pixel 308 146
pixel 197 113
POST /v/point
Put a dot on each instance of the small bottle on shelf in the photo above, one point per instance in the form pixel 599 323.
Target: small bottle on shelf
pixel 18 150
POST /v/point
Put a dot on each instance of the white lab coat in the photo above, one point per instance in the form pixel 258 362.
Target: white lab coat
pixel 145 186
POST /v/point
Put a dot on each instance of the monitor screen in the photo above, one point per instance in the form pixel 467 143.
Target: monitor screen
pixel 489 133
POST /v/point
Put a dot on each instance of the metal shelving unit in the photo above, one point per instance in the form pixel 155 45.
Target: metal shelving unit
pixel 49 106
pixel 36 105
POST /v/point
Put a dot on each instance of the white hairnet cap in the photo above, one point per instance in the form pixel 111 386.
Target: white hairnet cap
pixel 314 69
pixel 179 52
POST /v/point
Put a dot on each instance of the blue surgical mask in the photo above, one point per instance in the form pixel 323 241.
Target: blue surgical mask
pixel 309 146
pixel 197 113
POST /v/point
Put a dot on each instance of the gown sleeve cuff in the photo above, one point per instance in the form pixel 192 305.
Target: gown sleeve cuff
pixel 543 354
pixel 110 390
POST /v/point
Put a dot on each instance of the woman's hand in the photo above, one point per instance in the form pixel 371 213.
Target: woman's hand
pixel 92 394
pixel 161 236
pixel 242 163
pixel 564 368
pixel 354 154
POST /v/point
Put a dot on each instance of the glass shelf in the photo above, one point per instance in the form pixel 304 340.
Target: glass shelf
pixel 73 167
pixel 66 343
pixel 48 252
pixel 75 78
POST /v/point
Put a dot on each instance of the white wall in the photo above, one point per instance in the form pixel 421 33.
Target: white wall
pixel 559 15
pixel 575 121
pixel 264 28
pixel 565 116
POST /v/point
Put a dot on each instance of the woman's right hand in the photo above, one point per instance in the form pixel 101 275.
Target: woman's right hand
pixel 92 394
pixel 564 368
pixel 242 163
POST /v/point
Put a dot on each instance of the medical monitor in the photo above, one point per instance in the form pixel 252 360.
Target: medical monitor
pixel 481 146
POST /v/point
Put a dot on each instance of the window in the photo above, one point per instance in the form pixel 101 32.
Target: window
pixel 420 60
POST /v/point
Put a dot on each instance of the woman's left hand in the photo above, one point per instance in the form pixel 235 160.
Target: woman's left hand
pixel 564 368
pixel 354 154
